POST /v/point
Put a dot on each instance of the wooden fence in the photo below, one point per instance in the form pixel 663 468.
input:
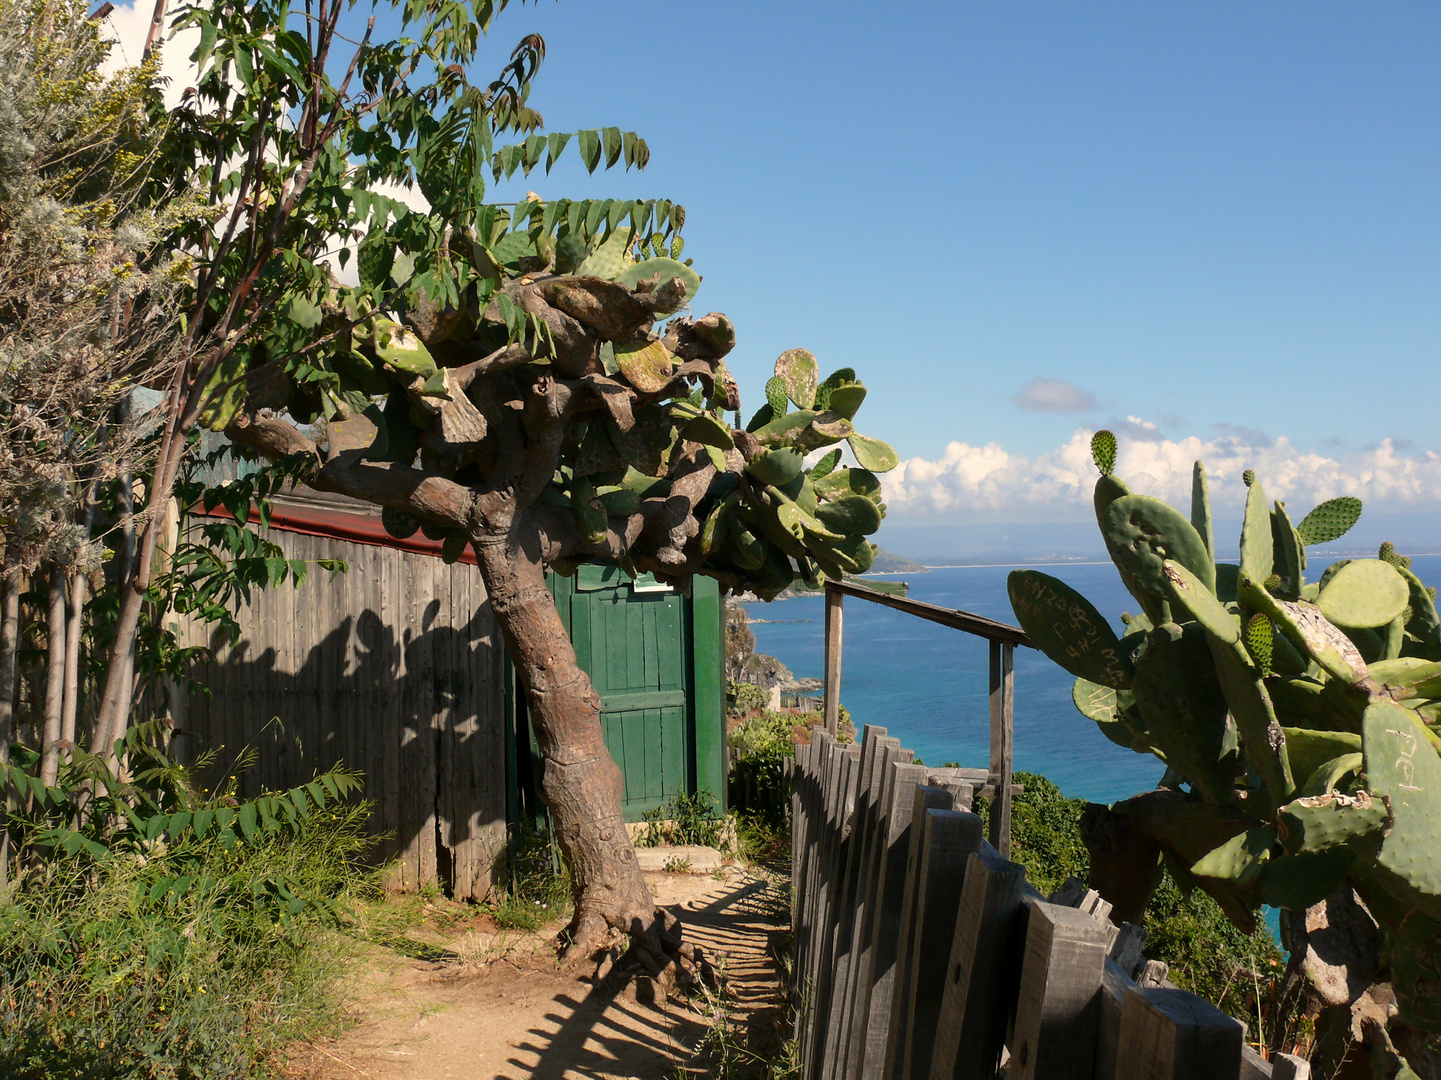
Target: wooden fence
pixel 1002 639
pixel 921 954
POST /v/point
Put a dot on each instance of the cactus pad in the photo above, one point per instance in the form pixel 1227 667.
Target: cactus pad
pixel 1365 594
pixel 398 523
pixel 848 481
pixel 747 549
pixel 1330 775
pixel 1114 713
pixel 1066 627
pixel 1103 451
pixel 454 546
pixel 850 514
pixel 1310 749
pixel 1248 477
pixel 1184 709
pixel 647 365
pixel 1317 822
pixel 1401 763
pixel 399 349
pixel 797 369
pixel 835 380
pixel 1227 574
pixel 1289 552
pixel 611 259
pixel 1201 508
pixel 1329 521
pixel 845 401
pixel 1416 971
pixel 776 396
pixel 1198 602
pixel 708 430
pixel 1142 532
pixel 1257 555
pixel 1240 859
pixel 1298 881
pixel 1260 640
pixel 1255 716
pixel 657 270
pixel 1309 630
pixel 1423 623
pixel 825 466
pixel 872 454
pixel 778 467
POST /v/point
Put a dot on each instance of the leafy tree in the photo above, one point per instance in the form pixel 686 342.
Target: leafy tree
pixel 498 377
pixel 87 313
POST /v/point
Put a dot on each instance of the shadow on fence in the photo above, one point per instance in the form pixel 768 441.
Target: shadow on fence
pixel 921 954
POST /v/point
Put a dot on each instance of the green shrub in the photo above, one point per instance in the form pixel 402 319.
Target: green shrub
pixel 762 746
pixel 743 698
pixel 1206 954
pixel 179 955
pixel 1045 833
pixel 684 819
pixel 534 880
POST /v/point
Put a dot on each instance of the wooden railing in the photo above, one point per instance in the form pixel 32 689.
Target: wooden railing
pixel 922 954
pixel 1003 639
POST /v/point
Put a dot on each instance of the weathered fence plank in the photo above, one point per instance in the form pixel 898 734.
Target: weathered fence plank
pixel 949 839
pixel 928 797
pixel 922 954
pixel 878 970
pixel 1168 1034
pixel 1059 1003
pixel 972 1024
pixel 876 754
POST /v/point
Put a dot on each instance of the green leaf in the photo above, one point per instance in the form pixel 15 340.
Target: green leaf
pixel 613 145
pixel 556 145
pixel 589 146
pixel 246 818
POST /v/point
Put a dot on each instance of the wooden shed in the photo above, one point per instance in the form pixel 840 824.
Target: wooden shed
pixel 397 669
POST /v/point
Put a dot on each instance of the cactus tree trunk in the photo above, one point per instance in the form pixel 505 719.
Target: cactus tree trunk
pixel 580 784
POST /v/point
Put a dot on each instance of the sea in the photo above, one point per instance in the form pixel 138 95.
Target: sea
pixel 927 684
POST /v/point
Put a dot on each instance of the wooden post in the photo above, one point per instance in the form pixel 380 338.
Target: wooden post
pixel 927 798
pixel 1114 982
pixel 866 878
pixel 834 599
pixel 1290 1067
pixel 950 839
pixel 972 1026
pixel 877 982
pixel 875 764
pixel 1058 1007
pixel 1003 717
pixel 1168 1034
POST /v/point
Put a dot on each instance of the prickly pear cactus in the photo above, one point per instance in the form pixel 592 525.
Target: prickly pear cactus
pixel 1315 707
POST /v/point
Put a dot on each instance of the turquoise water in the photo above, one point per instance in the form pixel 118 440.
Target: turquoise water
pixel 928 684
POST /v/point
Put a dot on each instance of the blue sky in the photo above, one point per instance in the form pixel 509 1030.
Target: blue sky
pixel 1212 227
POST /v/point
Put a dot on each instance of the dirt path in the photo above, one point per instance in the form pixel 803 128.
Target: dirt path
pixel 501 1008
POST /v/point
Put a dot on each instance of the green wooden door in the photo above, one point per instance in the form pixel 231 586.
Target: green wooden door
pixel 654 657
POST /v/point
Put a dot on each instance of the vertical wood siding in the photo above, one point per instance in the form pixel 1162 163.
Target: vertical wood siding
pixel 394 669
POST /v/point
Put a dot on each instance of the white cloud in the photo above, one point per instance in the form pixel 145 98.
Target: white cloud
pixel 1054 395
pixel 990 483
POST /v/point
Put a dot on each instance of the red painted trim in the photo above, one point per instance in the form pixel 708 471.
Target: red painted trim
pixel 339 525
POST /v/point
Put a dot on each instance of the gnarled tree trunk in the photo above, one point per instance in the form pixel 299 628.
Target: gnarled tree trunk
pixel 580 783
